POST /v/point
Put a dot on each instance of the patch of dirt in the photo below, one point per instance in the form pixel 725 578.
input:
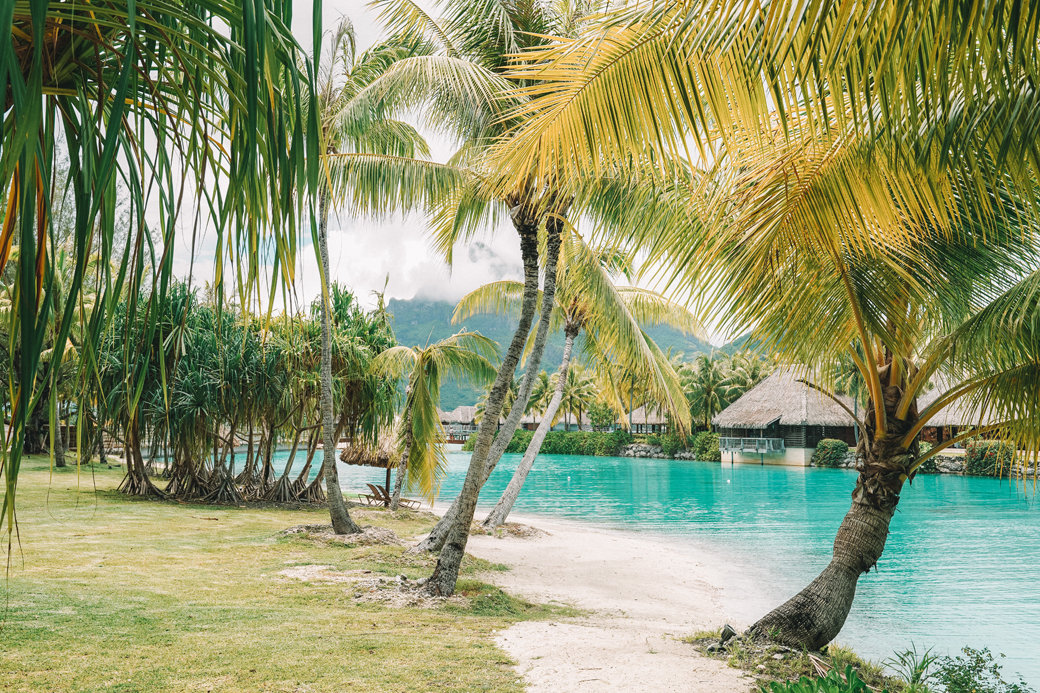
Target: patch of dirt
pixel 401 592
pixel 509 529
pixel 368 512
pixel 367 586
pixel 323 573
pixel 369 536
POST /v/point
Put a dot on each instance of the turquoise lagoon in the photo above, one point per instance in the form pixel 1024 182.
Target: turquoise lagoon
pixel 961 567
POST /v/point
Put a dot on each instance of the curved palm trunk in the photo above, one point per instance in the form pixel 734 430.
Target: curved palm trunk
pixel 341 521
pixel 814 616
pixel 505 504
pixel 402 465
pixel 446 573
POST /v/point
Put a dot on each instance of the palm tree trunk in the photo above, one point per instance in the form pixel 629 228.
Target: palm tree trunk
pixel 402 465
pixel 814 616
pixel 505 504
pixel 341 521
pixel 446 573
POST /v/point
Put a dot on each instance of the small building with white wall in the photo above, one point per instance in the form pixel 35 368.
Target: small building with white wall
pixel 781 421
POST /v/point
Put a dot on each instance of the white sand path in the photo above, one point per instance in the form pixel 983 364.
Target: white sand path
pixel 643 593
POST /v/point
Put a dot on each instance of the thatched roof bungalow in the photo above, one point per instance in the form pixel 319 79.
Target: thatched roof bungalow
pixel 648 420
pixel 782 420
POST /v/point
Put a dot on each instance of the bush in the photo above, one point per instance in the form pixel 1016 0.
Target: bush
pixel 975 672
pixel 705 446
pixel 566 443
pixel 833 682
pixel 672 443
pixel 830 453
pixel 988 457
pixel 653 439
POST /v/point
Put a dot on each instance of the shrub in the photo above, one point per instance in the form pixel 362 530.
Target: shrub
pixel 833 682
pixel 975 672
pixel 988 457
pixel 830 453
pixel 566 443
pixel 672 443
pixel 653 439
pixel 705 446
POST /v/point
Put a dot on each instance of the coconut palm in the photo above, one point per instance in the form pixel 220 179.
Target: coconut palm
pixel 208 90
pixel 709 386
pixel 342 74
pixel 856 198
pixel 460 87
pixel 610 317
pixel 462 356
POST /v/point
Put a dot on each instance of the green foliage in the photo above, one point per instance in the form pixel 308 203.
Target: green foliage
pixel 988 457
pixel 595 443
pixel 653 439
pixel 601 416
pixel 928 466
pixel 914 668
pixel 975 671
pixel 830 453
pixel 833 682
pixel 705 446
pixel 672 443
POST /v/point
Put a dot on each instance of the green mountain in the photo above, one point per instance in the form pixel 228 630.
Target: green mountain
pixel 418 321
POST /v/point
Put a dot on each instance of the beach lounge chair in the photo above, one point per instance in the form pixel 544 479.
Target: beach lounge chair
pixel 376 497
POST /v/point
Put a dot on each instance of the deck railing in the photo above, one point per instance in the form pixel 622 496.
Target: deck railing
pixel 755 445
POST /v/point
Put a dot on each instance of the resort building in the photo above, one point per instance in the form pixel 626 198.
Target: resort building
pixel 644 420
pixel 459 423
pixel 781 420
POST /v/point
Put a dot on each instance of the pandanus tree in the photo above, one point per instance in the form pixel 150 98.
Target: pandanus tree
pixel 193 105
pixel 465 356
pixel 868 191
pixel 611 319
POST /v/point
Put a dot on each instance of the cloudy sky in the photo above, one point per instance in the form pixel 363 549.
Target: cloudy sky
pixel 363 251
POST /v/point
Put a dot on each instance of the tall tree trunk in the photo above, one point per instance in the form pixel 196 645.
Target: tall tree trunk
pixel 814 616
pixel 505 504
pixel 341 521
pixel 59 444
pixel 406 451
pixel 527 229
pixel 446 573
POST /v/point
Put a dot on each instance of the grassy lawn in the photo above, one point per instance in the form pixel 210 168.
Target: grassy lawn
pixel 110 594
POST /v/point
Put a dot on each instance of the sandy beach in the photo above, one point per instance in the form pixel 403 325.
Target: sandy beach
pixel 642 594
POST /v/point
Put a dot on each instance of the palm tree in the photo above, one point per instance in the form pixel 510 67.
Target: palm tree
pixel 211 92
pixel 461 87
pixel 463 356
pixel 709 386
pixel 610 317
pixel 856 201
pixel 343 74
pixel 579 392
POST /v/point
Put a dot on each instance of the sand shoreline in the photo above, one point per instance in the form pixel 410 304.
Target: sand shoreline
pixel 642 595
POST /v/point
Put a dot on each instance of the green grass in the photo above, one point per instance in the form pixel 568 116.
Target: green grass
pixel 106 593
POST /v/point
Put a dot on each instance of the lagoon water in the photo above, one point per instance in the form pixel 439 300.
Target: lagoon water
pixel 961 566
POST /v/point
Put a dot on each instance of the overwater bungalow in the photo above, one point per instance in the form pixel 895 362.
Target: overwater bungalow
pixel 782 420
pixel 648 420
pixel 459 423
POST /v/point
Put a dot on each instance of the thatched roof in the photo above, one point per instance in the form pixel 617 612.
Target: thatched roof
pixel 782 398
pixel 465 414
pixel 382 455
pixel 641 416
pixel 958 413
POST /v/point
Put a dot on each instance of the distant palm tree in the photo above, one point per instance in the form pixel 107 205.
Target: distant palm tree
pixel 463 356
pixel 579 392
pixel 708 386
